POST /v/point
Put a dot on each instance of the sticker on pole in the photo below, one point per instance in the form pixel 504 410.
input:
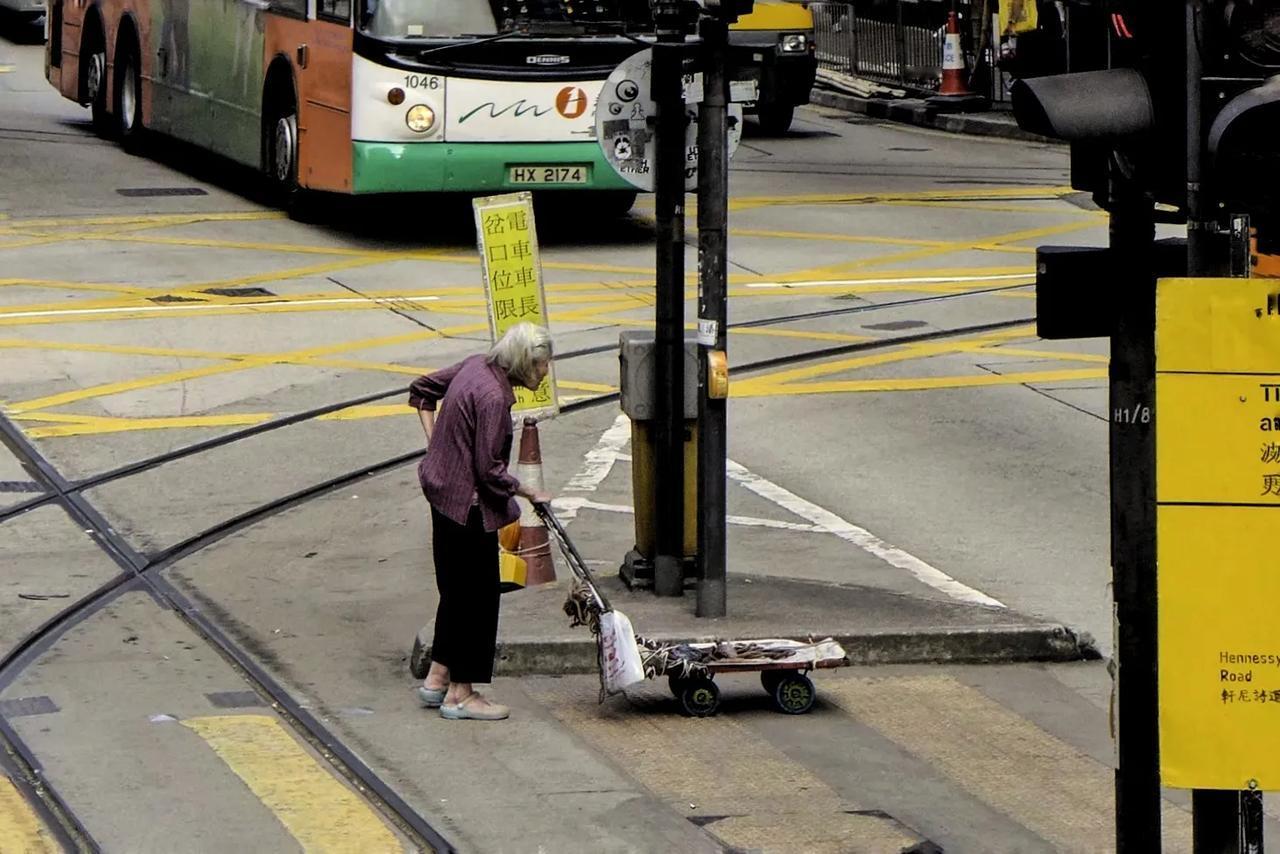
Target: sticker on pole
pixel 626 121
pixel 508 242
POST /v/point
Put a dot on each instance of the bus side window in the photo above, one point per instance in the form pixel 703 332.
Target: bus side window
pixel 293 8
pixel 334 10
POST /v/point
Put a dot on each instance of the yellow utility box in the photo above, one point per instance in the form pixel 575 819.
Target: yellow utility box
pixel 636 356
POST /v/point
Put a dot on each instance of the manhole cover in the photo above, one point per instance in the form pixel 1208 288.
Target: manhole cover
pixel 141 192
pixel 239 292
pixel 895 325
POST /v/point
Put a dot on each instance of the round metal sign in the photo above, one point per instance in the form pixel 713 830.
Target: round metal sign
pixel 626 133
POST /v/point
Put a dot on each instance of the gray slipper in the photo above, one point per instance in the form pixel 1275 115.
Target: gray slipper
pixel 465 712
pixel 431 697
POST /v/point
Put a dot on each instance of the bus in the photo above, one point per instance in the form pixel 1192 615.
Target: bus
pixel 357 96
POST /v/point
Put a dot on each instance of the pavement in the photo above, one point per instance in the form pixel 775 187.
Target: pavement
pixel 997 121
pixel 874 626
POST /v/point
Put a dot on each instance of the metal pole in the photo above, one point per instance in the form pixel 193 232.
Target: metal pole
pixel 667 94
pixel 713 216
pixel 1215 814
pixel 1133 523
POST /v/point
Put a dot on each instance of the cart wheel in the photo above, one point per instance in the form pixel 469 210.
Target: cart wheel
pixel 770 679
pixel 699 698
pixel 794 694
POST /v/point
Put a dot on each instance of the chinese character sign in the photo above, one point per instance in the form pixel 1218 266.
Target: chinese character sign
pixel 508 244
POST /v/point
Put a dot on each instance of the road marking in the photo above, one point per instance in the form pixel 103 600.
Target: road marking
pixel 600 460
pixel 1002 759
pixel 860 537
pixel 196 307
pixel 20 829
pixel 320 812
pixel 916 383
pixel 569 506
pixel 141 219
pixel 903 280
pixel 752 796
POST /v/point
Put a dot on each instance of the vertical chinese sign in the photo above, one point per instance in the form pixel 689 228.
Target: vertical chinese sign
pixel 1217 512
pixel 512 269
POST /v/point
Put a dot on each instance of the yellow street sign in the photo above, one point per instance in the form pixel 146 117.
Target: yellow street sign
pixel 508 242
pixel 1218 502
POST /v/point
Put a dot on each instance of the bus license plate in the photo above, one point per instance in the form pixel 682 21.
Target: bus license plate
pixel 548 174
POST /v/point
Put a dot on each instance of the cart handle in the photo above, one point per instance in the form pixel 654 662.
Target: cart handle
pixel 572 557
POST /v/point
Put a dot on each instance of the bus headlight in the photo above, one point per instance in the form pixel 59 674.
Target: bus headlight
pixel 793 43
pixel 420 118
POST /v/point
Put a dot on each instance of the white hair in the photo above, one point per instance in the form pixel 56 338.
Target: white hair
pixel 518 349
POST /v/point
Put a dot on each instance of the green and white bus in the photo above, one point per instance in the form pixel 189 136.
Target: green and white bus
pixel 357 96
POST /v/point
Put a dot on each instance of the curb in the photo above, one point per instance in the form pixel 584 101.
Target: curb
pixel 974 124
pixel 987 645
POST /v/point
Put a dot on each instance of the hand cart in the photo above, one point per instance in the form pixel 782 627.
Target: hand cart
pixel 691 668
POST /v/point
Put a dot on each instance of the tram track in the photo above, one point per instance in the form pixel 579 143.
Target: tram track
pixel 139 571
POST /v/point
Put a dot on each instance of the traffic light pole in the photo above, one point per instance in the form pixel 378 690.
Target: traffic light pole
pixel 1215 814
pixel 713 200
pixel 1133 520
pixel 667 94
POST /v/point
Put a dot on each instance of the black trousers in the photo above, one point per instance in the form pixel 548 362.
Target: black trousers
pixel 466 632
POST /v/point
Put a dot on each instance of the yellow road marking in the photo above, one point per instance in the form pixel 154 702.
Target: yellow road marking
pixel 5 69
pixel 320 812
pixel 20 829
pixel 242 364
pixel 911 351
pixel 73 286
pixel 749 202
pixel 917 383
pixel 717 767
pixel 1055 355
pixel 141 219
pixel 1002 759
pixel 981 244
pixel 68 424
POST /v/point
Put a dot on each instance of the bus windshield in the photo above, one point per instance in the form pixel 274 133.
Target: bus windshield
pixel 414 19
pixel 401 19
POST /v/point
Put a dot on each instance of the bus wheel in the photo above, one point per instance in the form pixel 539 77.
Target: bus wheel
pixel 775 119
pixel 616 202
pixel 93 65
pixel 128 101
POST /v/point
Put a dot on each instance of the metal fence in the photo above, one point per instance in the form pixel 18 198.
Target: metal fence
pixel 895 42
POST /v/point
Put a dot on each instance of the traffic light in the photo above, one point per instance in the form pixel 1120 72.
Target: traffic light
pixel 1124 103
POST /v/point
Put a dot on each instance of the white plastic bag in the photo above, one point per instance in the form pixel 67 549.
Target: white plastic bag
pixel 619 655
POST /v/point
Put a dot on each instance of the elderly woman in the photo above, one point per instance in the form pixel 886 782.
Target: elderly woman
pixel 465 479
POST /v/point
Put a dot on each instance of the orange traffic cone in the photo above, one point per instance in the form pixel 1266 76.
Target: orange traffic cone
pixel 535 545
pixel 954 93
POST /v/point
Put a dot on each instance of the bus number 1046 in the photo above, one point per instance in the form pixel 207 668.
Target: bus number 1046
pixel 421 81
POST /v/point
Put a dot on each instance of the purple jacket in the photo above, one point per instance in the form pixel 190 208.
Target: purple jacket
pixel 466 461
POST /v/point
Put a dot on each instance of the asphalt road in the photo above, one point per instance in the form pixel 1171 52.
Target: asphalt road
pixel 151 303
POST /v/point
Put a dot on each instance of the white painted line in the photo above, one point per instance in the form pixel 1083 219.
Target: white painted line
pixel 600 459
pixel 914 280
pixel 202 306
pixel 826 520
pixel 573 505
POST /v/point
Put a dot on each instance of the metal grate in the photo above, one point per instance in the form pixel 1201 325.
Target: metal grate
pixel 23 707
pixel 145 192
pixel 173 298
pixel 235 699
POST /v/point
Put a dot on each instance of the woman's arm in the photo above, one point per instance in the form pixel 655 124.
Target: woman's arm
pixel 428 419
pixel 426 391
